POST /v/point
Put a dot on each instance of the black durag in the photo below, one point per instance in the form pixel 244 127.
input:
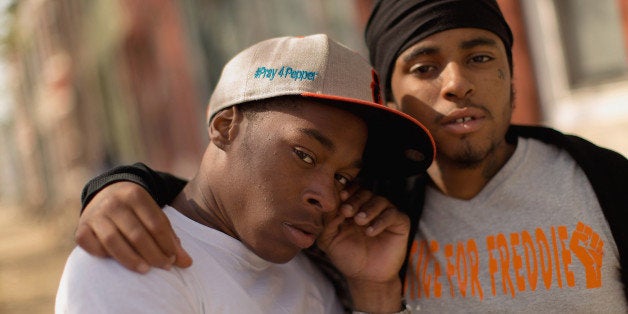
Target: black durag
pixel 396 25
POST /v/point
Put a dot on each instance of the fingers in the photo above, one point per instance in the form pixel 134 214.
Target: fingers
pixel 118 248
pixel 140 238
pixel 390 220
pixel 183 259
pixel 371 208
pixel 348 191
pixel 332 224
pixel 147 228
pixel 156 234
pixel 87 239
pixel 352 204
pixel 373 211
pixel 153 237
pixel 124 222
pixel 363 205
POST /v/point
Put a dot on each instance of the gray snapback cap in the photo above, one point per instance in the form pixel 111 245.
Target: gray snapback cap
pixel 317 67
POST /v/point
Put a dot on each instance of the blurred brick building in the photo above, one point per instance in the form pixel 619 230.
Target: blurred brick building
pixel 104 82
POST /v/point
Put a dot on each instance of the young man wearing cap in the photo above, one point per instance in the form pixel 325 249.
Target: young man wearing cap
pixel 292 122
pixel 510 218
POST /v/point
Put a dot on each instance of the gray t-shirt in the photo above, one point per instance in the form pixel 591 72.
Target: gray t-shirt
pixel 534 240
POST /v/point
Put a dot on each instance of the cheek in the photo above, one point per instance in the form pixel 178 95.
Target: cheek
pixel 502 78
pixel 494 84
pixel 406 87
pixel 256 175
pixel 278 178
pixel 265 196
pixel 418 110
pixel 502 91
pixel 420 102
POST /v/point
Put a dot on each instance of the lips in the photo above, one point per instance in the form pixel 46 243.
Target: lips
pixel 464 120
pixel 301 235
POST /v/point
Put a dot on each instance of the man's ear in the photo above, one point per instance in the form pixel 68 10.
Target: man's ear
pixel 224 127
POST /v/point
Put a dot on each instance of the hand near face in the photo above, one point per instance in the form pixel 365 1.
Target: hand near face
pixel 123 221
pixel 366 240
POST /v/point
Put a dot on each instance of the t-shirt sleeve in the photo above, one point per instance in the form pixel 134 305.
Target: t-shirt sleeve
pixel 91 284
pixel 163 187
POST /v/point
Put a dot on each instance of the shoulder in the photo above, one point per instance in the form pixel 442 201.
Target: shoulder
pixel 582 150
pixel 101 285
pixel 84 270
pixel 606 170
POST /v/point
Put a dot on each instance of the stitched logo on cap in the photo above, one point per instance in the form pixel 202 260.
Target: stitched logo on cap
pixel 285 72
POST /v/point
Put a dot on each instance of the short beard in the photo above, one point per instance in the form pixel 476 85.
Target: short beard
pixel 470 158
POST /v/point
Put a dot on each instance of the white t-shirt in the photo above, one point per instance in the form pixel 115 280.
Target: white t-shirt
pixel 225 277
pixel 533 240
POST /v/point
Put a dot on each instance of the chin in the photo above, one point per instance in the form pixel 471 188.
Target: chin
pixel 468 156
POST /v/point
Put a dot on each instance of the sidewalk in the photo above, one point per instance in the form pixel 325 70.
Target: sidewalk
pixel 32 256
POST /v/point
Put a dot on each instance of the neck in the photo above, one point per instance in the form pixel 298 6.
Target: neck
pixel 464 181
pixel 198 202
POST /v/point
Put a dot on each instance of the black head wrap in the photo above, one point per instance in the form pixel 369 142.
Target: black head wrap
pixel 395 25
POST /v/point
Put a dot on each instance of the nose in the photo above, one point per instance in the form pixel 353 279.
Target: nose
pixel 456 84
pixel 322 194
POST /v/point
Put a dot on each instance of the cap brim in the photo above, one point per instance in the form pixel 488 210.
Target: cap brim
pixel 397 146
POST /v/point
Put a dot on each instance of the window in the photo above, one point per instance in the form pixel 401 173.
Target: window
pixel 593 41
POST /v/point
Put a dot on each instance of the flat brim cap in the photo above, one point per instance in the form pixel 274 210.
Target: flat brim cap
pixel 317 67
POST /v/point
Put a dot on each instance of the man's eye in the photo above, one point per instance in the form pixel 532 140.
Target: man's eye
pixel 481 59
pixel 421 69
pixel 307 158
pixel 342 179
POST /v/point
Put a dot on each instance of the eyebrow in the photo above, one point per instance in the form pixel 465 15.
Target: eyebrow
pixel 480 41
pixel 324 140
pixel 420 52
pixel 466 45
pixel 327 143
